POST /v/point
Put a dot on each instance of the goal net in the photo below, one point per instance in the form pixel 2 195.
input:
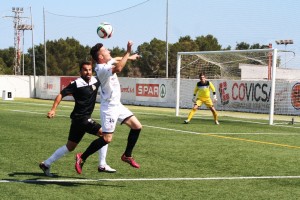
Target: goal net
pixel 244 82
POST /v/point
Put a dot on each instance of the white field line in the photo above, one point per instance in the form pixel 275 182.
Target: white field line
pixel 175 130
pixel 156 114
pixel 223 119
pixel 151 179
pixel 218 134
pixel 197 133
pixel 35 104
pixel 38 113
pixel 154 179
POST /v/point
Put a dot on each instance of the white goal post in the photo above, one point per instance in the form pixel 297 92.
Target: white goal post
pixel 250 74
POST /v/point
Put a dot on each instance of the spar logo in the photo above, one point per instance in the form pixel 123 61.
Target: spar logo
pixel 151 90
pixel 295 96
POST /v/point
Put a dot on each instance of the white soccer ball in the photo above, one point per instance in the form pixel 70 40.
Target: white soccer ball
pixel 105 30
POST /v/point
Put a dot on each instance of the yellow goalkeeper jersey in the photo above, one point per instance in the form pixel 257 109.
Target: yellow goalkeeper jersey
pixel 202 90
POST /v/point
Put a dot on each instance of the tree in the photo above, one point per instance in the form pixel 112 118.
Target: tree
pixel 2 66
pixel 64 56
pixel 184 44
pixel 39 60
pixel 7 61
pixel 258 46
pixel 208 43
pixel 245 46
pixel 130 70
pixel 242 45
pixel 28 66
pixel 264 57
pixel 152 63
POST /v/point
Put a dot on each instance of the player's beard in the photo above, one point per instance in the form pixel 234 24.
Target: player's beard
pixel 86 78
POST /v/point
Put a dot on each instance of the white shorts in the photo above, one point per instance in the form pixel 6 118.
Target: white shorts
pixel 111 114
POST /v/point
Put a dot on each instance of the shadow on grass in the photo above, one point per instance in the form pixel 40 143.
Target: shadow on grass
pixel 13 174
pixel 62 181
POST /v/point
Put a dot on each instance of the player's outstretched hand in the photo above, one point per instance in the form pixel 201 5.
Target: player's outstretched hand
pixel 129 45
pixel 51 114
pixel 134 57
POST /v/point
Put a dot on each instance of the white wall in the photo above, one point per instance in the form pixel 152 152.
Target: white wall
pixel 20 86
pixel 236 95
pixel 260 72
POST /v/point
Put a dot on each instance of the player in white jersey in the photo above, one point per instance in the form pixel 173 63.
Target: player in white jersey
pixel 112 110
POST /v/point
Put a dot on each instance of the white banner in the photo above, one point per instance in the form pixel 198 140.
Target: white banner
pixel 233 95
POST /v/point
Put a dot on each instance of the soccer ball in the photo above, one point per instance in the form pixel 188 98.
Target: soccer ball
pixel 105 30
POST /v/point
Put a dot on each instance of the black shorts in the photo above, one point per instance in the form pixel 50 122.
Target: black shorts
pixel 80 127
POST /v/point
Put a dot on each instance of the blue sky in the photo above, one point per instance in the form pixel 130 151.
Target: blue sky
pixel 230 21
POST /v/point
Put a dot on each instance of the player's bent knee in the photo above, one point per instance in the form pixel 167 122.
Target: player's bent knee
pixel 108 140
pixel 107 137
pixel 136 126
pixel 71 148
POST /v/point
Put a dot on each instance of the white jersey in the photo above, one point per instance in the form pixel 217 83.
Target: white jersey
pixel 110 85
pixel 111 109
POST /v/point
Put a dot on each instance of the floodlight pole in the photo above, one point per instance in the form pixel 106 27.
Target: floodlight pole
pixel 23 27
pixel 167 43
pixel 33 56
pixel 17 19
pixel 23 55
pixel 285 42
pixel 45 48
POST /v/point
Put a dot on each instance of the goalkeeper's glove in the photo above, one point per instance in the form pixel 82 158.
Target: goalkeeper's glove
pixel 215 98
pixel 194 99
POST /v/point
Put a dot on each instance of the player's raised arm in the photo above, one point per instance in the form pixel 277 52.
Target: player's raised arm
pixel 120 65
pixel 132 57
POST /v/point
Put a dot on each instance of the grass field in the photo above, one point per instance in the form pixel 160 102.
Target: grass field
pixel 240 159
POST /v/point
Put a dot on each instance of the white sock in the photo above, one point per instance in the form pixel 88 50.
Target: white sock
pixel 102 155
pixel 56 155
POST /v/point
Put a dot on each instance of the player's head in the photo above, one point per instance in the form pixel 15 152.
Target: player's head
pixel 100 54
pixel 81 65
pixel 94 51
pixel 202 77
pixel 86 70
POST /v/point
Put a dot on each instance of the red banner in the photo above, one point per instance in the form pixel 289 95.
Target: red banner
pixel 65 81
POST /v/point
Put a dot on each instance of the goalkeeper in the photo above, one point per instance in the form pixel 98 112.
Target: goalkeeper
pixel 202 95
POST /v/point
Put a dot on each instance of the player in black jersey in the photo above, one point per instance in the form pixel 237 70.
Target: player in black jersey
pixel 84 90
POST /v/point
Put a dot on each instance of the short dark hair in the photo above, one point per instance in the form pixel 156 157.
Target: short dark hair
pixel 84 63
pixel 94 51
pixel 201 74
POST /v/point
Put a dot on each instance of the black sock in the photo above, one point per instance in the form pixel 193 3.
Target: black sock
pixel 131 141
pixel 94 146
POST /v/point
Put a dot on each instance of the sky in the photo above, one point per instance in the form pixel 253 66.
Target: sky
pixel 230 21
